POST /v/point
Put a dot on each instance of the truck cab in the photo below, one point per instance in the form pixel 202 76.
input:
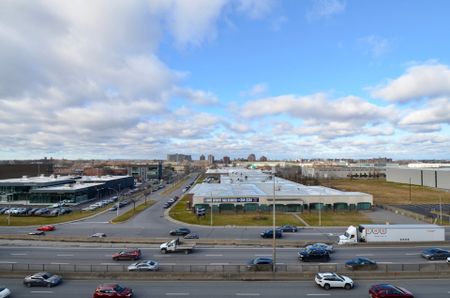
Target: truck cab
pixel 350 236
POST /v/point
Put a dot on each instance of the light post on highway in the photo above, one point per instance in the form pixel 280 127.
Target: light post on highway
pixel 118 196
pixel 274 252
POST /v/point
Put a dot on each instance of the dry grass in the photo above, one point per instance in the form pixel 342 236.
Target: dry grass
pixel 389 192
pixel 338 218
pixel 133 212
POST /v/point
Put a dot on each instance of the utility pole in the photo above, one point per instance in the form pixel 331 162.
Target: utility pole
pixel 274 253
pixel 410 190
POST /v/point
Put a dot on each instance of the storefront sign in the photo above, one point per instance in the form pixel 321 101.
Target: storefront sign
pixel 231 200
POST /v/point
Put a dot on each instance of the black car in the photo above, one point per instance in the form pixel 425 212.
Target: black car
pixel 269 233
pixel 180 232
pixel 43 279
pixel 166 205
pixel 361 263
pixel 307 255
pixel 260 264
pixel 288 229
pixel 435 254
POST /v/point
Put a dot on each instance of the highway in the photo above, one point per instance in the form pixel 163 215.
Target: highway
pixel 221 289
pixel 202 255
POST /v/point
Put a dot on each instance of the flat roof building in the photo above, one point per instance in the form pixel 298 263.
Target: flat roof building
pixel 255 190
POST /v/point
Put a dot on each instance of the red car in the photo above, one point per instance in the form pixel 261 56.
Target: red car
pixel 112 291
pixel 129 254
pixel 387 291
pixel 46 228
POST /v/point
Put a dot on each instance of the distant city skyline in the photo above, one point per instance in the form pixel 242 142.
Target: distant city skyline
pixel 280 79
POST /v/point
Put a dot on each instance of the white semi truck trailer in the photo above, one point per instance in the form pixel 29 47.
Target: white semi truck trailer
pixel 393 233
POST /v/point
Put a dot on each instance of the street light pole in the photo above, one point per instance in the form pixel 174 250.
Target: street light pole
pixel 274 253
pixel 118 202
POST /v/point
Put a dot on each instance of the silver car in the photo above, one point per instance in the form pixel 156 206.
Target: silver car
pixel 147 265
pixel 4 292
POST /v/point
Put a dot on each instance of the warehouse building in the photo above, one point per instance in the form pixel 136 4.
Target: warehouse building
pixel 253 190
pixel 430 177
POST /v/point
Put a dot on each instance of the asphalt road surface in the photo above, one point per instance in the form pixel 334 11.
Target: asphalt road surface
pixel 219 289
pixel 201 255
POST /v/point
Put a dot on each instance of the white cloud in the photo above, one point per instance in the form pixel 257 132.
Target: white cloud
pixel 256 90
pixel 318 107
pixel 377 46
pixel 325 9
pixel 420 81
pixel 255 9
pixel 196 96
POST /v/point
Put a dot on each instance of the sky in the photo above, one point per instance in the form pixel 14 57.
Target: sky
pixel 285 79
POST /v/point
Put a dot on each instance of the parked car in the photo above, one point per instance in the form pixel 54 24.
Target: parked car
pixel 323 246
pixel 315 254
pixel 260 264
pixel 179 232
pixel 43 279
pixel 166 205
pixel 98 235
pixel 46 228
pixel 330 280
pixel 129 254
pixel 147 265
pixel 112 291
pixel 269 233
pixel 361 263
pixel 42 211
pixel 39 233
pixel 4 292
pixel 191 236
pixel 288 229
pixel 388 291
pixel 435 254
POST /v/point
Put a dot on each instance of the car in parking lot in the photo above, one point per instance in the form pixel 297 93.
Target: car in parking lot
pixel 166 205
pixel 361 264
pixel 260 264
pixel 43 279
pixel 4 292
pixel 129 254
pixel 269 233
pixel 98 235
pixel 328 280
pixel 389 291
pixel 191 236
pixel 112 291
pixel 179 232
pixel 147 265
pixel 288 229
pixel 324 246
pixel 435 253
pixel 314 254
pixel 46 228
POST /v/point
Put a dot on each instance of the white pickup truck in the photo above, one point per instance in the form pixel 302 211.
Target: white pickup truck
pixel 176 245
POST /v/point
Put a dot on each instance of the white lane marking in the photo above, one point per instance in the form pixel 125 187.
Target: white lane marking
pixel 177 294
pixel 365 255
pixel 41 292
pixel 168 264
pixel 19 254
pixel 263 256
pixel 108 264
pixel 59 263
pixel 385 262
pixel 218 255
pixel 88 222
pixel 248 294
pixel 318 294
pixel 163 256
pixel 219 264
pixel 64 255
pixel 6 262
pixel 108 256
pixel 412 254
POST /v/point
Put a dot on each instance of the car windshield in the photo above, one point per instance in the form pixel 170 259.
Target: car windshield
pixel 119 289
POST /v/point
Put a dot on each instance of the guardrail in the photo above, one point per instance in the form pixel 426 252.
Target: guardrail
pixel 224 269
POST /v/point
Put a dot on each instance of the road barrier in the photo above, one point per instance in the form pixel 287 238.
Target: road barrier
pixel 189 268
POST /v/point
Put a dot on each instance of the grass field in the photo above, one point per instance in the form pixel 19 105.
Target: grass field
pixel 342 218
pixel 389 192
pixel 133 212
